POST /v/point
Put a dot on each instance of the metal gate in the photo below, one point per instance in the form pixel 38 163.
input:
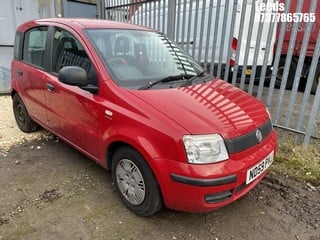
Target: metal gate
pixel 268 48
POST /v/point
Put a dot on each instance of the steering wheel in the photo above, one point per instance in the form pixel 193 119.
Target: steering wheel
pixel 117 60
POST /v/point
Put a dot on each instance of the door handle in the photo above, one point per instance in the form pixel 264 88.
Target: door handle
pixel 20 72
pixel 50 87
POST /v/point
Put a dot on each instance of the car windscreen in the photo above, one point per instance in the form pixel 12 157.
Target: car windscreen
pixel 135 58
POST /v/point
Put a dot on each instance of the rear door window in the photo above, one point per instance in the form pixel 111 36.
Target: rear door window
pixel 34 46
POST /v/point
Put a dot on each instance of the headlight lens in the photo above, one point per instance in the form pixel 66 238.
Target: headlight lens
pixel 203 149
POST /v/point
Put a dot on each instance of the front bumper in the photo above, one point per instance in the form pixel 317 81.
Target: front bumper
pixel 201 188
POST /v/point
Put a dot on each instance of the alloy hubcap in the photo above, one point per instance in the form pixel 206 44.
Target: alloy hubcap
pixel 130 182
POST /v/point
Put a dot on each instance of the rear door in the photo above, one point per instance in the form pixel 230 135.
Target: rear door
pixel 29 71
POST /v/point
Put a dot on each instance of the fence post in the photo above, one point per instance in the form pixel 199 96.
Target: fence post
pixel 58 8
pixel 316 102
pixel 102 9
pixel 171 18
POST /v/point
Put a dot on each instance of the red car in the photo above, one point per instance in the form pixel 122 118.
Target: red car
pixel 136 103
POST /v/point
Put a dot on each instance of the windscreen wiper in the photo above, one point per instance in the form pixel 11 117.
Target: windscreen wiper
pixel 194 77
pixel 166 79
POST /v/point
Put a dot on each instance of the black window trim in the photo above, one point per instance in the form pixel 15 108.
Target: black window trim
pixel 19 48
pixel 48 52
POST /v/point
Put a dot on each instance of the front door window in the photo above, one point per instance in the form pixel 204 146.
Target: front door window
pixel 67 51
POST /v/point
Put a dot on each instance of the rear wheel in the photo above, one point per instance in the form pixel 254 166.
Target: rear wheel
pixel 24 121
pixel 315 81
pixel 292 72
pixel 135 182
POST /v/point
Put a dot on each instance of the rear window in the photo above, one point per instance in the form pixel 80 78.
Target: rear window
pixel 34 46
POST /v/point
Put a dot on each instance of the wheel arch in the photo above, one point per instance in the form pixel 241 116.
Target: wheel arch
pixel 148 142
pixel 112 148
pixel 153 200
pixel 117 144
pixel 13 92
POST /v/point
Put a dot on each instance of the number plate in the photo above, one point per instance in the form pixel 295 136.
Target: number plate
pixel 259 168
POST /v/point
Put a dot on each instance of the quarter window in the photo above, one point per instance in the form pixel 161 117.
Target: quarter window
pixel 34 46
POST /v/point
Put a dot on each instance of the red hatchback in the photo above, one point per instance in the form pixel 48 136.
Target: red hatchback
pixel 136 103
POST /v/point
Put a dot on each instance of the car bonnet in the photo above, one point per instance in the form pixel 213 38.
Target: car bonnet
pixel 211 107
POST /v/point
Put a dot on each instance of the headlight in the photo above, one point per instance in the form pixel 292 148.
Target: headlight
pixel 203 149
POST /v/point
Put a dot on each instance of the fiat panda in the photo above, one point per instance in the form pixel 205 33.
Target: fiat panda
pixel 136 103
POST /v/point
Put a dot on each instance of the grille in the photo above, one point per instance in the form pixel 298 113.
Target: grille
pixel 249 140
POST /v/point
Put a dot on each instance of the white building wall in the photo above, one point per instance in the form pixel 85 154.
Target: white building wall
pixel 12 14
pixel 15 12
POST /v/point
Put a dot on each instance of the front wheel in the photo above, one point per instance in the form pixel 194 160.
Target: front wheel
pixel 315 81
pixel 135 182
pixel 23 119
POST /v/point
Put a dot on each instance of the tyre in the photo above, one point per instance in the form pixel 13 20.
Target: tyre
pixel 135 182
pixel 315 81
pixel 24 121
pixel 292 72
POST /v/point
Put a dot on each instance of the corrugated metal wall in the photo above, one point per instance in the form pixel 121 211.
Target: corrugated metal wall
pixel 13 13
pixel 263 47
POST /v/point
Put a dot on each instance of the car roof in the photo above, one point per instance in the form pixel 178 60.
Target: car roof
pixel 81 23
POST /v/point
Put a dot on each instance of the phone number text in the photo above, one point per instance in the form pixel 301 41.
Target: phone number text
pixel 285 17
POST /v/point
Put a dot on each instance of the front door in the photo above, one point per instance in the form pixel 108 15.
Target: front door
pixel 73 113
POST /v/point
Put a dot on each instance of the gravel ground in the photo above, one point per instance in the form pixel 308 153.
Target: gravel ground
pixel 10 135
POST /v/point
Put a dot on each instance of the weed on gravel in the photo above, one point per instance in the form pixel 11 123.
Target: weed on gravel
pixel 298 162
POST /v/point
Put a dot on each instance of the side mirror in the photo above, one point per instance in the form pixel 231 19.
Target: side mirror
pixel 72 75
